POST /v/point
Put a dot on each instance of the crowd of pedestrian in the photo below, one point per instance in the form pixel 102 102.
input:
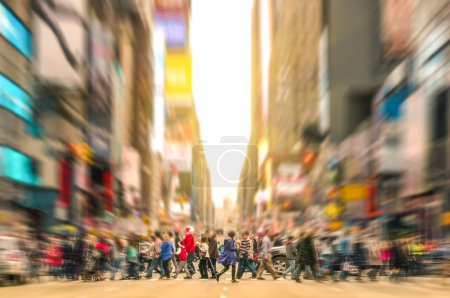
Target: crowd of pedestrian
pixel 309 256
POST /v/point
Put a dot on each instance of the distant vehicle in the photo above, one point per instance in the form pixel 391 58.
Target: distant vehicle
pixel 13 261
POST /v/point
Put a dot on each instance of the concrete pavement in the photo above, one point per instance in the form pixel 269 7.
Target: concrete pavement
pixel 225 289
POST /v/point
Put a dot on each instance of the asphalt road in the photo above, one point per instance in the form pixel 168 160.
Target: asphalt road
pixel 224 289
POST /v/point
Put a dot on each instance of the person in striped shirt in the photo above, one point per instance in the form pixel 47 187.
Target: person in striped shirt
pixel 245 255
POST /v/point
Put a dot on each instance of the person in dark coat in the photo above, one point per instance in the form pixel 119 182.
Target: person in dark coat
pixel 291 255
pixel 360 256
pixel 67 256
pixel 306 256
pixel 79 255
pixel 213 254
pixel 228 257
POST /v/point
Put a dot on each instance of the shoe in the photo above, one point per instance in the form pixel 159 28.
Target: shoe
pixel 188 277
pixel 165 278
pixel 276 278
pixel 260 278
pixel 284 276
pixel 238 277
pixel 217 277
pixel 253 278
pixel 298 280
pixel 234 281
pixel 174 276
pixel 148 277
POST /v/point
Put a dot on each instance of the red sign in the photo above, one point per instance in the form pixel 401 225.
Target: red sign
pixel 182 7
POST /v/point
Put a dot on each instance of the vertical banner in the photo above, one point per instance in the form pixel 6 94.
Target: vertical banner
pixel 178 78
pixel 100 111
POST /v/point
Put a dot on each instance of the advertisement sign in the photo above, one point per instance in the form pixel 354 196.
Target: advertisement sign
pixel 100 47
pixel 52 64
pixel 180 154
pixel 178 78
pixel 15 32
pixel 15 99
pixel 175 30
pixel 352 192
pixel 131 177
pixel 180 7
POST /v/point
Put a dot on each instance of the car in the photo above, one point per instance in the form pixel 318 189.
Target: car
pixel 13 261
pixel 279 259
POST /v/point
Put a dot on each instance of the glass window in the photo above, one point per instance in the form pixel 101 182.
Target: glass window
pixel 15 32
pixel 15 99
pixel 17 166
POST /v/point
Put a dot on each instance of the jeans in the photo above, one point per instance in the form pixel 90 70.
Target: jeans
pixel 308 268
pixel 190 265
pixel 291 268
pixel 212 267
pixel 203 268
pixel 182 265
pixel 243 264
pixel 118 266
pixel 156 262
pixel 133 269
pixel 226 268
pixel 326 265
pixel 166 271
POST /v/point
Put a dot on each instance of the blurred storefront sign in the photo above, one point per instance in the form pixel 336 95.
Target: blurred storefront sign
pixel 178 79
pixel 178 7
pixel 15 32
pixel 445 219
pixel 130 173
pixel 18 167
pixel 180 154
pixel 352 192
pixel 100 46
pixel 175 31
pixel 51 61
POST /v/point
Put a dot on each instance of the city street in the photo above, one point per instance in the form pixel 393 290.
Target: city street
pixel 224 289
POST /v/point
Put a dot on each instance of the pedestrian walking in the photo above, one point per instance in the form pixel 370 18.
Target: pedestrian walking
pixel 326 254
pixel 189 243
pixel 133 259
pixel 290 256
pixel 182 264
pixel 204 258
pixel 266 258
pixel 306 256
pixel 360 256
pixel 213 254
pixel 156 261
pixel 244 256
pixel 228 257
pixel 119 253
pixel 375 262
pixel 79 255
pixel 67 257
pixel 166 255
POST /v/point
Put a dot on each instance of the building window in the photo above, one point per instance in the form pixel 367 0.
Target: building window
pixel 15 99
pixel 15 32
pixel 17 166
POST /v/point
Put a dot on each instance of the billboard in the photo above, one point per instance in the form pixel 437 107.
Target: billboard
pixel 179 7
pixel 178 78
pixel 15 32
pixel 175 30
pixel 100 55
pixel 52 64
pixel 15 99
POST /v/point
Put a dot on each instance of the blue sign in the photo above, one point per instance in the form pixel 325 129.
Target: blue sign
pixel 18 166
pixel 174 28
pixel 15 32
pixel 15 99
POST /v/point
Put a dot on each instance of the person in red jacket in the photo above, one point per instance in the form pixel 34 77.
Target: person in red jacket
pixel 189 244
pixel 182 256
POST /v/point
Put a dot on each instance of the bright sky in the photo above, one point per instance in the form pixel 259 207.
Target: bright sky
pixel 221 53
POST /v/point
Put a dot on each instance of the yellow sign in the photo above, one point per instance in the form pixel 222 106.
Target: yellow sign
pixel 353 192
pixel 333 210
pixel 178 77
pixel 445 218
pixel 335 225
pixel 82 151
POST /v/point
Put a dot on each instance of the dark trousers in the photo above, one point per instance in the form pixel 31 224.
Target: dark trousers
pixel 373 271
pixel 166 267
pixel 203 268
pixel 226 268
pixel 212 267
pixel 244 263
pixel 190 264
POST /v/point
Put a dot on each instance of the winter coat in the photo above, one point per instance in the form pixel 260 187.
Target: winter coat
pixel 166 251
pixel 306 251
pixel 213 250
pixel 291 253
pixel 189 243
pixel 228 256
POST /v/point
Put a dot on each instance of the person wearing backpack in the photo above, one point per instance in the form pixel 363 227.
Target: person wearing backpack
pixel 132 260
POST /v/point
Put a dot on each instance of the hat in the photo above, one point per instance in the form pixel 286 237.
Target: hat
pixel 189 229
